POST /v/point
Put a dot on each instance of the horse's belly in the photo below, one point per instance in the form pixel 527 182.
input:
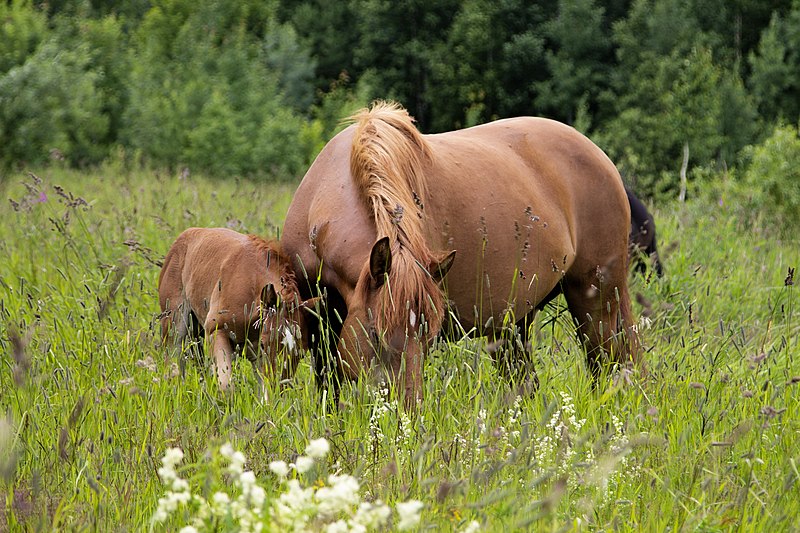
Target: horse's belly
pixel 508 258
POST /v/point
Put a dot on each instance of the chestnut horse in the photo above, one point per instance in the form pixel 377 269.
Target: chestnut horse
pixel 532 207
pixel 221 285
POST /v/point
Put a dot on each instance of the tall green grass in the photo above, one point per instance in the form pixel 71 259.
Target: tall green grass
pixel 90 401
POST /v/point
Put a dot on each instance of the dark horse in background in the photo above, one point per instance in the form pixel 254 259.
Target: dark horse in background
pixel 517 211
pixel 643 236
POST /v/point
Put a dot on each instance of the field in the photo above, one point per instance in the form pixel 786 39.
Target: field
pixel 90 401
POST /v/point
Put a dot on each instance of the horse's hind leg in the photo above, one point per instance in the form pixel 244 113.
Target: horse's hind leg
pixel 599 304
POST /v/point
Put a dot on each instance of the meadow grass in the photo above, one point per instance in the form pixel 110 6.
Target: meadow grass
pixel 90 401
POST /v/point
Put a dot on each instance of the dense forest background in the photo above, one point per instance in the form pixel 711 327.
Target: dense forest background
pixel 255 88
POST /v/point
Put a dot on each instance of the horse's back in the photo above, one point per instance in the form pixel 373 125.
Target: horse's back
pixel 214 270
pixel 525 197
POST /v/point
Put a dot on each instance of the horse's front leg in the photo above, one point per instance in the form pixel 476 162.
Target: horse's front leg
pixel 222 350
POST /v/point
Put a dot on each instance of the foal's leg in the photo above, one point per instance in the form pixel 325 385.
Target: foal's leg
pixel 222 350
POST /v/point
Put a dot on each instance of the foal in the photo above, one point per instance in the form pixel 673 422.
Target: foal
pixel 239 292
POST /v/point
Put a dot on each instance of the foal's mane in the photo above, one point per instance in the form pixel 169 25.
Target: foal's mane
pixel 278 263
pixel 386 163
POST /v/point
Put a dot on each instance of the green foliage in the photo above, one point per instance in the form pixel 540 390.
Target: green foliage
pixel 488 65
pixel 773 177
pixel 210 95
pixel 396 40
pixel 255 88
pixel 22 28
pixel 775 64
pixel 673 101
pixel 578 65
pixel 51 106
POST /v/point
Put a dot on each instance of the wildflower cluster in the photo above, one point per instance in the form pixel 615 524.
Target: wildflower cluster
pixel 381 422
pixel 556 439
pixel 559 448
pixel 502 440
pixel 332 504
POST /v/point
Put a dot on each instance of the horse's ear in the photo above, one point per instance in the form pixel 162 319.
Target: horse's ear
pixel 310 304
pixel 439 270
pixel 269 298
pixel 380 261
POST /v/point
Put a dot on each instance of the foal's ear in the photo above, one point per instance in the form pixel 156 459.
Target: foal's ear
pixel 380 261
pixel 439 270
pixel 269 298
pixel 311 303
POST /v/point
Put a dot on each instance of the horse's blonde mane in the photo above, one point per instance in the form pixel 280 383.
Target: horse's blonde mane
pixel 386 162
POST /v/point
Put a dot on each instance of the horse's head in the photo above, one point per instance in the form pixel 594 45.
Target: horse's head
pixel 396 309
pixel 284 327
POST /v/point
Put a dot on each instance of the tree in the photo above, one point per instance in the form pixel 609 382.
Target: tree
pixel 775 65
pixel 394 47
pixel 22 28
pixel 208 90
pixel 578 60
pixel 490 63
pixel 673 101
pixel 51 106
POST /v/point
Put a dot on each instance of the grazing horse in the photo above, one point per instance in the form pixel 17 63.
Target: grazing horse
pixel 518 211
pixel 221 284
pixel 643 236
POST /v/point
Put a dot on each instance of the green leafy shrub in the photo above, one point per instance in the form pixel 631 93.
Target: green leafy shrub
pixel 22 28
pixel 51 107
pixel 209 93
pixel 773 176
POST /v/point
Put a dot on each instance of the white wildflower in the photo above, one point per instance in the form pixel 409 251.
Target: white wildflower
pixel 341 495
pixel 303 464
pixel 340 526
pixel 226 450
pixel 372 515
pixel 188 529
pixel 292 509
pixel 180 485
pixel 247 480
pixel 236 458
pixel 172 456
pixel 279 468
pixel 408 514
pixel 258 497
pixel 318 448
pixel 221 503
pixel 472 527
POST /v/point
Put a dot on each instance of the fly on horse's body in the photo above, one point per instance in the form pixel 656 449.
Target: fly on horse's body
pixel 516 210
pixel 236 290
